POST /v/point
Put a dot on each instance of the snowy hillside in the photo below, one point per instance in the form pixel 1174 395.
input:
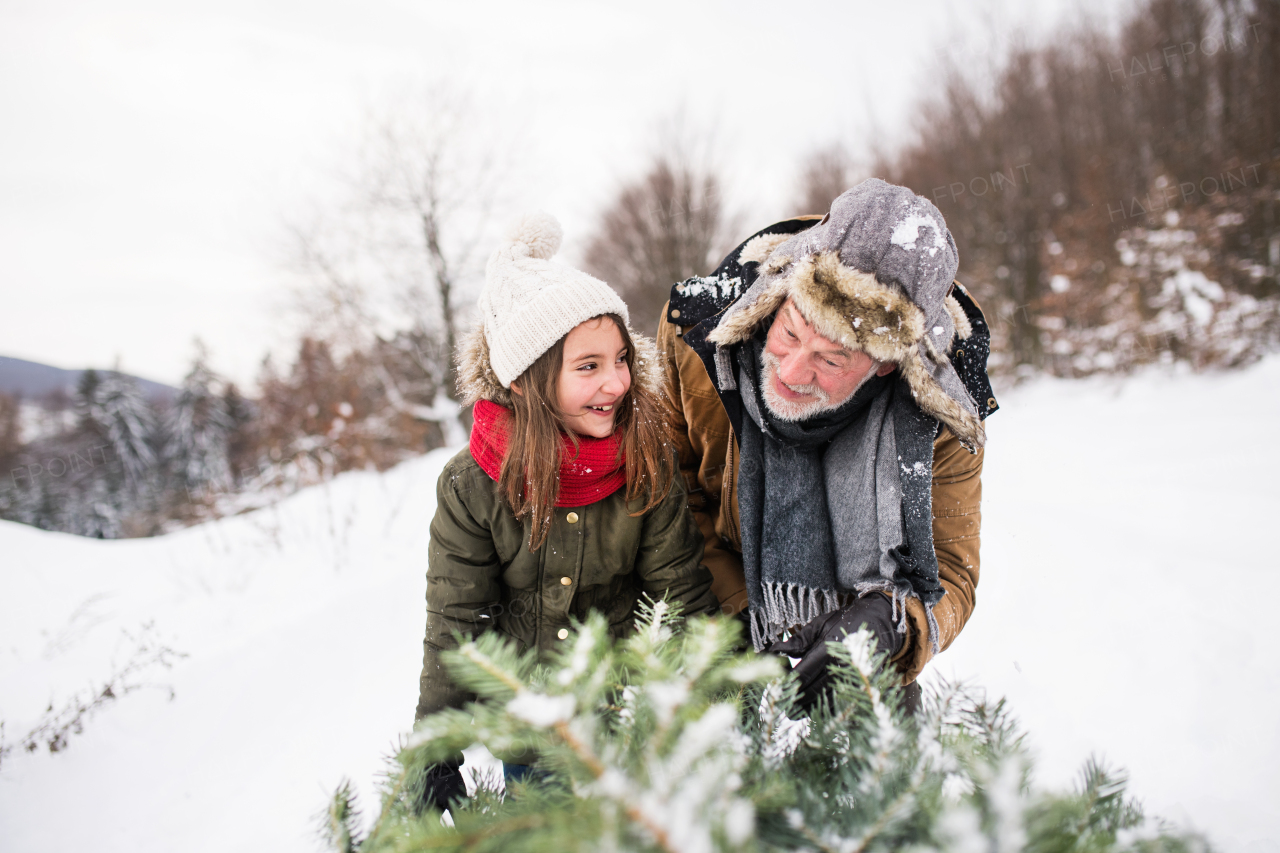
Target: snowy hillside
pixel 303 626
pixel 1124 547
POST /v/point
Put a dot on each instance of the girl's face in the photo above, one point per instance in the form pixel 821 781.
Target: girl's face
pixel 594 377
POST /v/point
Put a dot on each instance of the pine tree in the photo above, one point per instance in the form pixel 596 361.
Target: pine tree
pixel 113 409
pixel 88 507
pixel 199 432
pixel 673 740
pixel 115 493
pixel 242 446
pixel 86 397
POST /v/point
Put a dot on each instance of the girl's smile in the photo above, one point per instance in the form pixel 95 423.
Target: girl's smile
pixel 594 377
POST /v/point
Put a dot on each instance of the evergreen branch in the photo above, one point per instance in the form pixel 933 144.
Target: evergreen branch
pixel 472 653
pixel 388 799
pixel 683 766
pixel 780 735
pixel 514 824
pixel 597 768
pixel 1105 792
pixel 468 840
pixel 891 813
pixel 857 652
pixel 340 819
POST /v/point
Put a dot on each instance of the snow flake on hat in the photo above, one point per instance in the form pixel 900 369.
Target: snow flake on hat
pixel 906 234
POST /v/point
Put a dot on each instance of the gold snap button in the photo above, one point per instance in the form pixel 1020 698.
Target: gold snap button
pixel 675 314
pixel 991 402
pixel 566 581
pixel 563 633
pixel 572 518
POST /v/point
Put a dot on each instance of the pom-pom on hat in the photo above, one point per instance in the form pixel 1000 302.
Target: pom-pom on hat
pixel 529 302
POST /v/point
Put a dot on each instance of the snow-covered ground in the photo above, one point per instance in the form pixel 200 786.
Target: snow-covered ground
pixel 1128 576
pixel 1123 609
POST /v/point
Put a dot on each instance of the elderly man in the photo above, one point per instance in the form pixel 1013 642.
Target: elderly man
pixel 828 385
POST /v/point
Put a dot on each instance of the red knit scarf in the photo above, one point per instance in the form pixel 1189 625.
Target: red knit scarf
pixel 596 471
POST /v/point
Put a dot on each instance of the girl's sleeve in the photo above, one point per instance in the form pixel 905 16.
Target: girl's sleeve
pixel 463 587
pixel 670 559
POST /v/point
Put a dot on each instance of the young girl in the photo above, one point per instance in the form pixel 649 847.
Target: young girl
pixel 566 500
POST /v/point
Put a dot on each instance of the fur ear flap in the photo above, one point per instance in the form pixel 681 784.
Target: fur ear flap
pixel 759 248
pixel 476 379
pixel 740 325
pixel 964 329
pixel 932 400
pixel 649 374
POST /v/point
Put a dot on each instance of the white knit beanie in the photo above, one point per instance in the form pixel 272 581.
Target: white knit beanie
pixel 529 302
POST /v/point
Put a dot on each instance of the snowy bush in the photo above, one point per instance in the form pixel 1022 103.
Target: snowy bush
pixel 1161 306
pixel 675 740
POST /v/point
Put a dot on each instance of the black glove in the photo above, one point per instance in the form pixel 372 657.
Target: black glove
pixel 443 784
pixel 810 642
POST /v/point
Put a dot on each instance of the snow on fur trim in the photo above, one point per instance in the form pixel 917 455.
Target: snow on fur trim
pixel 649 373
pixel 849 307
pixel 758 248
pixel 937 403
pixel 539 232
pixel 964 329
pixel 476 379
pixel 858 311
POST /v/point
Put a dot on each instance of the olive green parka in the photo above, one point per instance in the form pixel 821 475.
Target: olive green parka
pixel 482 575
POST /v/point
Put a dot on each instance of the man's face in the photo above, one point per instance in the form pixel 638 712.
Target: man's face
pixel 806 374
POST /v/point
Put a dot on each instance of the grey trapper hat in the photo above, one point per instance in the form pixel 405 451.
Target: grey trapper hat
pixel 874 275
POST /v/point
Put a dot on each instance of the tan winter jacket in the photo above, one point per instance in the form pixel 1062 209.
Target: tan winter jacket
pixel 708 460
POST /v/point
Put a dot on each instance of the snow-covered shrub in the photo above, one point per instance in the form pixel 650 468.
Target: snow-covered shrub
pixel 674 740
pixel 1162 305
pixel 98 478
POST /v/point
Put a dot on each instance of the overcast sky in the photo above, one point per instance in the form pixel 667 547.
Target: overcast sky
pixel 151 152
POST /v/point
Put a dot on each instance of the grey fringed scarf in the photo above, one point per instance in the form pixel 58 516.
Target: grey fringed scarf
pixel 835 506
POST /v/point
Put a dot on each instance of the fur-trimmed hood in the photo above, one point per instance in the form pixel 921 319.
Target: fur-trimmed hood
pixel 875 275
pixel 477 380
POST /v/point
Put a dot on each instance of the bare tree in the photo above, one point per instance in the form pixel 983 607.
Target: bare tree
pixel 435 183
pixel 397 265
pixel 662 228
pixel 824 174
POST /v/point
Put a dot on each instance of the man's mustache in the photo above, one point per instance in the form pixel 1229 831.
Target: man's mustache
pixel 772 363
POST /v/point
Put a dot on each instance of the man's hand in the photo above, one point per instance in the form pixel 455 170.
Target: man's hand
pixel 810 642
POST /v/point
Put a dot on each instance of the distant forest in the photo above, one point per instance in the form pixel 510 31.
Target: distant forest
pixel 1116 199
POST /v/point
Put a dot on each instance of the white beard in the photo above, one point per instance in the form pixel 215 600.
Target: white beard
pixel 787 410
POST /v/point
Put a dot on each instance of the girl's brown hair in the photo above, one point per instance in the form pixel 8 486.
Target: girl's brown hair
pixel 530 478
